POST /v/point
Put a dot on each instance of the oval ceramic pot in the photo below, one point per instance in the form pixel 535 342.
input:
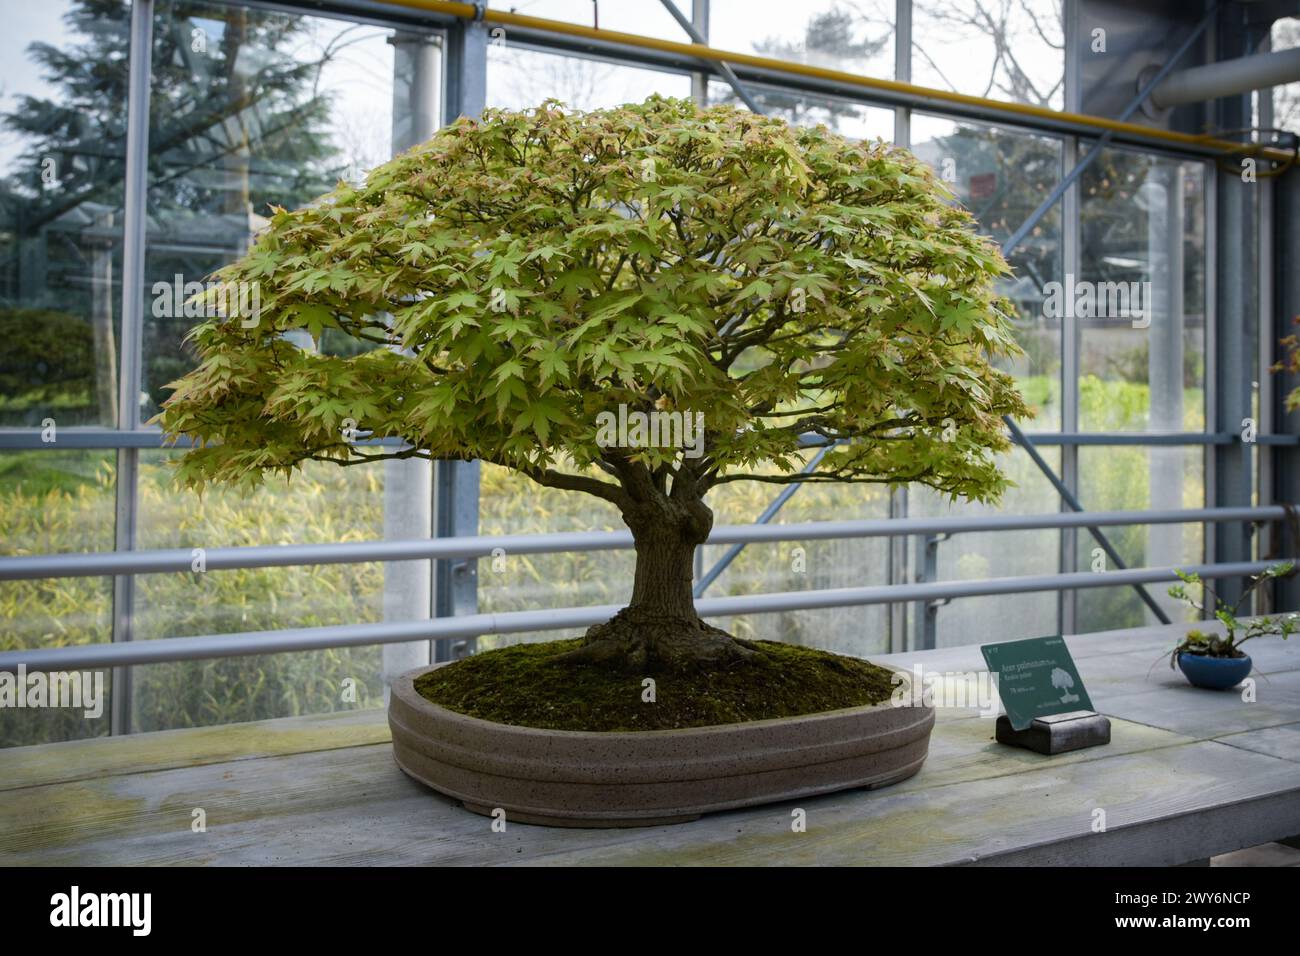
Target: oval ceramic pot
pixel 1214 673
pixel 645 778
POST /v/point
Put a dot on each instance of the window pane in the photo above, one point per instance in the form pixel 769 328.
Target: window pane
pixel 854 38
pixel 250 109
pixel 850 119
pixel 509 503
pixel 254 108
pixel 63 69
pixel 51 502
pixel 322 504
pixel 1286 98
pixel 805 565
pixel 1003 51
pixel 520 79
pixel 1126 478
pixel 1140 300
pixel 995 554
pixel 1001 176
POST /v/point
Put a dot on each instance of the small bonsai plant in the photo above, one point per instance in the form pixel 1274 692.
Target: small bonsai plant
pixel 1199 644
pixel 517 279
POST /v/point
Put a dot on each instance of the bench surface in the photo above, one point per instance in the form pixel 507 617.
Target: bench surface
pixel 1188 774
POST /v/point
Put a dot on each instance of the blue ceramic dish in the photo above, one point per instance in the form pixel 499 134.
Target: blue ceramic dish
pixel 1214 673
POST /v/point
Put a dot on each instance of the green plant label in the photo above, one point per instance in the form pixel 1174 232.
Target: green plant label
pixel 1036 678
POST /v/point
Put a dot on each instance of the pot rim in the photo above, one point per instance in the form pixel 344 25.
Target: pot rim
pixel 404 686
pixel 1208 657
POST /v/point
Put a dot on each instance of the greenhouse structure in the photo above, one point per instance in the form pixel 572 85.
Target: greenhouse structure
pixel 1081 484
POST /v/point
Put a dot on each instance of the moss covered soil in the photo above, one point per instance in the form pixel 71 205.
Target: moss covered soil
pixel 528 685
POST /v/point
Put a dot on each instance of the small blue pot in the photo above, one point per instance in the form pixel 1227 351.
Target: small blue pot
pixel 1214 673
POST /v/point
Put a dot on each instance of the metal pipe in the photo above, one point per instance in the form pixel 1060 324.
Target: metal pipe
pixel 1228 78
pixel 105 438
pixel 95 564
pixel 890 90
pixel 168 649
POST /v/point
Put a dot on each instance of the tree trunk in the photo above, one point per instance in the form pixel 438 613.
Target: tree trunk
pixel 660 630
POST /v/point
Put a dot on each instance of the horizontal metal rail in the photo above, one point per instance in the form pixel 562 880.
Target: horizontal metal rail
pixel 92 564
pixel 81 438
pixel 171 649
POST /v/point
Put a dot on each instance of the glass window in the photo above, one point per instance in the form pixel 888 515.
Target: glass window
pixel 856 37
pixel 1003 51
pixel 249 109
pixel 63 68
pixel 253 108
pixel 509 503
pixel 849 119
pixel 804 565
pixel 1001 176
pixel 995 554
pixel 1128 478
pixel 1286 98
pixel 1140 298
pixel 324 503
pixel 521 79
pixel 54 501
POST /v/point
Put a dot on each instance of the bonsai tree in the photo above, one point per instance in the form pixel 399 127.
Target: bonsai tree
pixel 518 279
pixel 1211 645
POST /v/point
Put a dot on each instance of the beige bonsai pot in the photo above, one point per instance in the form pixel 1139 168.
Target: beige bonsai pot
pixel 594 779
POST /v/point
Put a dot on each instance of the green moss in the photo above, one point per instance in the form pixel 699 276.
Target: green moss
pixel 529 686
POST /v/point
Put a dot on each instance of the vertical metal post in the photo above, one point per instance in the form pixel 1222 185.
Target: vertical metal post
pixel 700 79
pixel 408 485
pixel 1286 308
pixel 131 360
pixel 1235 351
pixel 896 572
pixel 899 546
pixel 1068 538
pixel 903 68
pixel 927 612
pixel 456 483
pixel 1270 541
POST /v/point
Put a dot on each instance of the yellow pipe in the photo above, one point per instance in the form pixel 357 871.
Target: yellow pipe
pixel 467 11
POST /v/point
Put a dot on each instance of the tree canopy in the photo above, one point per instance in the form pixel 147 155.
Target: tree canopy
pixel 515 276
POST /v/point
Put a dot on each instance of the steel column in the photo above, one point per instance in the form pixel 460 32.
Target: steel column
pixel 456 483
pixel 1234 319
pixel 1286 310
pixel 126 488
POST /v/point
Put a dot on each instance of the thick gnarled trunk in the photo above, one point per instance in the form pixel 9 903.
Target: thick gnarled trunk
pixel 660 630
pixel 665 560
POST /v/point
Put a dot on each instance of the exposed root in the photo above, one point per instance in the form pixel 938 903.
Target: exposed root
pixel 634 642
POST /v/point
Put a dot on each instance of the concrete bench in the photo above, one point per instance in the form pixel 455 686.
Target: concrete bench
pixel 1189 774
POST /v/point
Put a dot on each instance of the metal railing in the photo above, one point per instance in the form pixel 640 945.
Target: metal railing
pixel 177 560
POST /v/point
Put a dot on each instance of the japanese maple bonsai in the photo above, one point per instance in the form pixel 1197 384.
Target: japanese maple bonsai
pixel 516 276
